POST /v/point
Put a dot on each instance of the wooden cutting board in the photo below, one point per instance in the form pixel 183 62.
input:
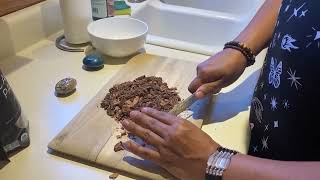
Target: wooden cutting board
pixel 90 136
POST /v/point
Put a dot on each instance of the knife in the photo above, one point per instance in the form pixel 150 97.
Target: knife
pixel 183 105
pixel 183 110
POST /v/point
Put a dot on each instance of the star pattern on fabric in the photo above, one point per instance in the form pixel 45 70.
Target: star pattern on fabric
pixel 303 13
pixel 296 12
pixel 273 103
pixel 286 42
pixel 286 104
pixel 293 78
pixel 264 142
pixel 314 38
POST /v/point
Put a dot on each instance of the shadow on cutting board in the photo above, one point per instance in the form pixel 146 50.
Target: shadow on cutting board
pixel 223 106
pixel 143 163
pixel 93 164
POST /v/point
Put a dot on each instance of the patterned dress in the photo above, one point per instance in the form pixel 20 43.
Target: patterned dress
pixel 284 117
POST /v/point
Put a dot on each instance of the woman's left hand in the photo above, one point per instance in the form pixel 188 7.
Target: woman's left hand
pixel 179 146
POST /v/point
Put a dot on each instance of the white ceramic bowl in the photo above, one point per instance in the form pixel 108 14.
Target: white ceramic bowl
pixel 118 36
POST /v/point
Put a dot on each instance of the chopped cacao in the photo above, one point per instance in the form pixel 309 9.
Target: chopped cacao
pixel 118 136
pixel 113 176
pixel 118 147
pixel 123 133
pixel 142 92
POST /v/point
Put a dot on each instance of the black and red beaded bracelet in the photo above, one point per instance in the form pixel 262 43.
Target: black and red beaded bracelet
pixel 247 52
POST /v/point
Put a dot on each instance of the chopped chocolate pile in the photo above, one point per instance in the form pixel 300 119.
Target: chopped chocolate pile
pixel 142 92
pixel 118 147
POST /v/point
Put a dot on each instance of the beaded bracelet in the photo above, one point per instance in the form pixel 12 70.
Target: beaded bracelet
pixel 247 52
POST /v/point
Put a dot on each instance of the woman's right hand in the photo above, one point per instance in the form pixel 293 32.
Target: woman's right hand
pixel 217 72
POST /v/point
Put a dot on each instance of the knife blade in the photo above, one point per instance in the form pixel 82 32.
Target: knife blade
pixel 183 105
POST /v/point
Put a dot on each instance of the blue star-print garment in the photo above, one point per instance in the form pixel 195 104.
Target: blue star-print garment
pixel 284 117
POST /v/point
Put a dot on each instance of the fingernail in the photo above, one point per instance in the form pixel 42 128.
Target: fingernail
pixel 133 113
pixel 123 145
pixel 199 94
pixel 124 122
pixel 145 109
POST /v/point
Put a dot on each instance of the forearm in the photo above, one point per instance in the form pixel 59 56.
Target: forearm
pixel 259 31
pixel 244 167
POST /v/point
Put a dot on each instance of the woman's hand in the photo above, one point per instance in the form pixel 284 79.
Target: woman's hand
pixel 217 72
pixel 179 146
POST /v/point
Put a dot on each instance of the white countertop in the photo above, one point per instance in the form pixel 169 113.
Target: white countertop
pixel 33 73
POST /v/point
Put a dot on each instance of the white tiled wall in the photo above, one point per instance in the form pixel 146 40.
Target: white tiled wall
pixel 23 28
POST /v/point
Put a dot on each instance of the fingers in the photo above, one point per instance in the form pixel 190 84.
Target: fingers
pixel 147 135
pixel 194 85
pixel 164 117
pixel 200 90
pixel 206 82
pixel 208 88
pixel 143 152
pixel 148 122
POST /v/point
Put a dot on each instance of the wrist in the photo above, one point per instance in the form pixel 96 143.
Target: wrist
pixel 243 49
pixel 250 43
pixel 212 148
pixel 218 163
pixel 237 56
pixel 235 166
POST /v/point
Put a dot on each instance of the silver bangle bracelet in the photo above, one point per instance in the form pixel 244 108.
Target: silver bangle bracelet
pixel 219 161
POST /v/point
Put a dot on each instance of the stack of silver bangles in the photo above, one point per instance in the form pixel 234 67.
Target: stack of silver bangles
pixel 219 161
